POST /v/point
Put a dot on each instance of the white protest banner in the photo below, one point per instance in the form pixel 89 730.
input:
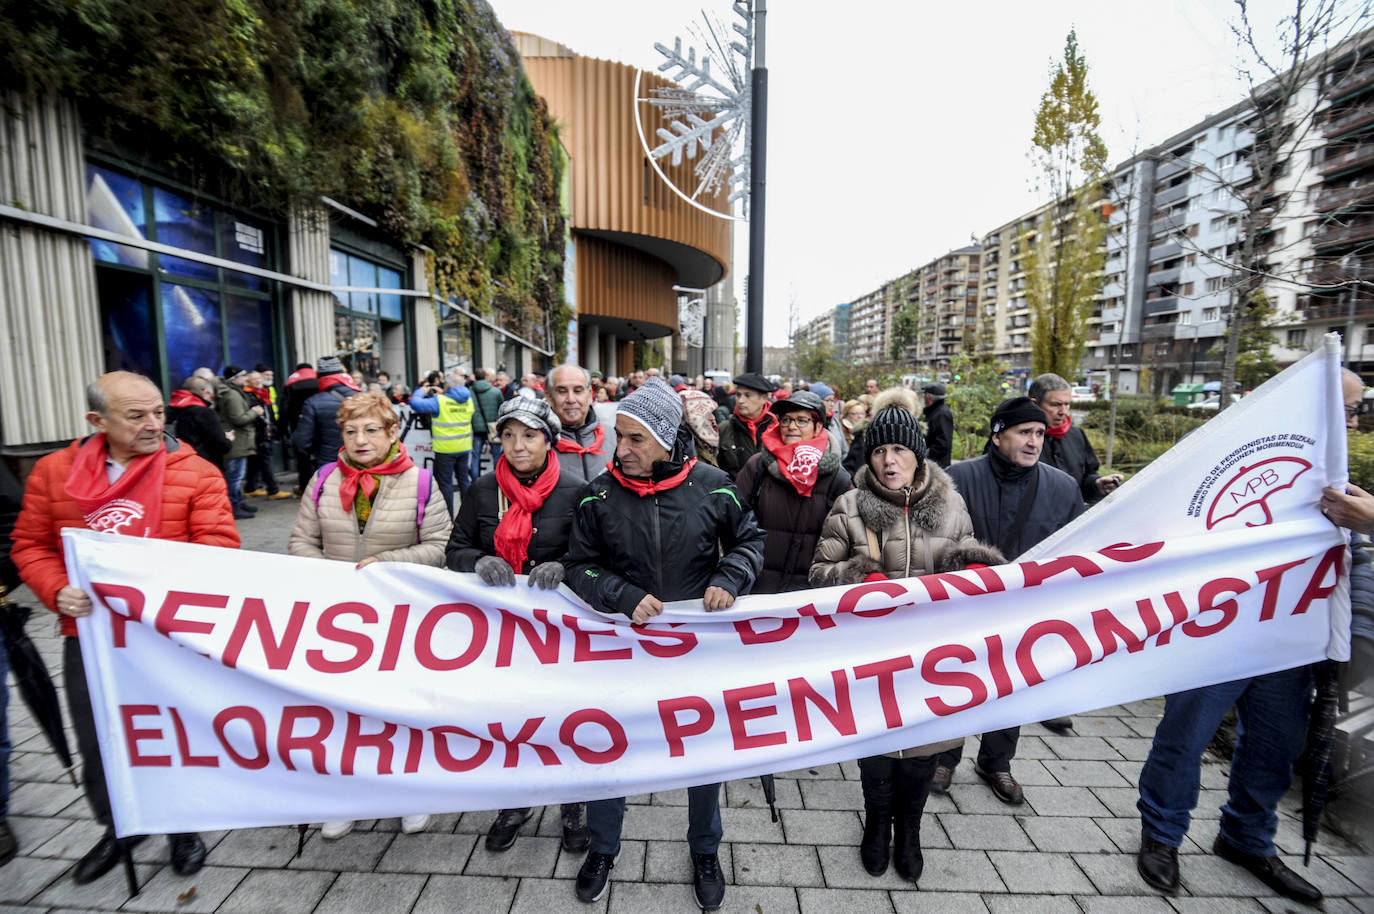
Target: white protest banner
pixel 238 689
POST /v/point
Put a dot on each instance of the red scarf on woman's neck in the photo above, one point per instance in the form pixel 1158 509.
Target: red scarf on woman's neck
pixel 365 478
pixel 1059 431
pixel 753 424
pixel 132 504
pixel 516 528
pixel 799 462
pixel 642 487
pixel 569 446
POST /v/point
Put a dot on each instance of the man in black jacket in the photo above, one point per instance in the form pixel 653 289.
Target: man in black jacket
pixel 192 419
pixel 1066 446
pixel 939 425
pixel 1014 501
pixel 659 526
pixel 741 435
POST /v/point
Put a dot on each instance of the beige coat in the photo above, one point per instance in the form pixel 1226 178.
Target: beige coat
pixel 918 530
pixel 390 534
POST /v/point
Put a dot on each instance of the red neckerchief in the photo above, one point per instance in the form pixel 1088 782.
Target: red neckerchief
pixel 569 446
pixel 753 424
pixel 1059 431
pixel 642 487
pixel 366 477
pixel 262 394
pixel 799 463
pixel 182 398
pixel 516 528
pixel 132 505
pixel 344 378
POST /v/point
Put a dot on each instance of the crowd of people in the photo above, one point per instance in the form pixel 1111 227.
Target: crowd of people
pixel 572 478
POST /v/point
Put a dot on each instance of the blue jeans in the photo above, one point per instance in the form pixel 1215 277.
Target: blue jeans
pixel 1273 727
pixel 4 732
pixel 233 478
pixel 704 831
pixel 445 467
pixel 475 461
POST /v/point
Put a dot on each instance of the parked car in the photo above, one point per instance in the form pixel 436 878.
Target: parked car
pixel 1082 395
pixel 1212 401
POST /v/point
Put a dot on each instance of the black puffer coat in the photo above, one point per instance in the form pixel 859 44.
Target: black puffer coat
pixel 1074 455
pixel 317 431
pixel 992 488
pixel 791 523
pixel 737 445
pixel 673 545
pixel 474 529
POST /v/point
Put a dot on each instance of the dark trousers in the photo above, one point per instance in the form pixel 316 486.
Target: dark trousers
pixel 83 722
pixel 995 751
pixel 305 468
pixel 909 777
pixel 704 831
pixel 446 467
pixel 260 471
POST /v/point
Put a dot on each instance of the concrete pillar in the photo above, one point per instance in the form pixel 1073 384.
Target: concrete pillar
pixel 591 348
pixel 423 318
pixel 312 313
pixel 608 358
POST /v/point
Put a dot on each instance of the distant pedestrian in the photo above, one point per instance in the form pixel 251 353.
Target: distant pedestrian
pixel 317 432
pixel 741 435
pixel 193 419
pixel 450 411
pixel 241 417
pixel 939 424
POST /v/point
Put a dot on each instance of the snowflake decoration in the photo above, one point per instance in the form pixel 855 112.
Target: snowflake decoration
pixel 708 110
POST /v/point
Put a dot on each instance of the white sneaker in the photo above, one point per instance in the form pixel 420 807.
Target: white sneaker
pixel 332 831
pixel 411 825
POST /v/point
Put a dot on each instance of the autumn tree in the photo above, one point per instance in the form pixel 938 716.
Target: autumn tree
pixel 1065 252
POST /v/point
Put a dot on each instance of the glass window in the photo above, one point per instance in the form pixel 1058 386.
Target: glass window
pixel 356 339
pixel 338 268
pixel 184 224
pixel 390 305
pixel 362 273
pixel 126 322
pixel 191 322
pixel 244 242
pixel 248 330
pixel 114 202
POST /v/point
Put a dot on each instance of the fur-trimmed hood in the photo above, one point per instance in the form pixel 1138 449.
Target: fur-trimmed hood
pixel 893 396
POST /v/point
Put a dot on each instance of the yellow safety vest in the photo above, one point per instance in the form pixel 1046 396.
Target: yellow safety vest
pixel 452 428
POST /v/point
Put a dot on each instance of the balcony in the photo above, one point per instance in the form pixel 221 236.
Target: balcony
pixel 1161 305
pixel 1153 333
pixel 1364 308
pixel 1177 192
pixel 1341 197
pixel 1165 251
pixel 1348 121
pixel 1354 83
pixel 1161 277
pixel 1342 235
pixel 1330 275
pixel 1352 159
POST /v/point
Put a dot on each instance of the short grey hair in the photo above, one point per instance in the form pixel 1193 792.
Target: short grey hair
pixel 197 385
pixel 1046 383
pixel 571 366
pixel 207 374
pixel 455 377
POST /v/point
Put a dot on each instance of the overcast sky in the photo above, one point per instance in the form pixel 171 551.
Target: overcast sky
pixel 899 130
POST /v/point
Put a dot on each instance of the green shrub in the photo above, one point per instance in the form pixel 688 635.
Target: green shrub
pixel 1361 448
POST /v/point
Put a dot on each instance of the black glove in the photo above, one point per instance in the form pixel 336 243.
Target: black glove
pixel 547 575
pixel 494 572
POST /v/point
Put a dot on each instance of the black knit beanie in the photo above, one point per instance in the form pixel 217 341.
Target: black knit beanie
pixel 895 425
pixel 1016 411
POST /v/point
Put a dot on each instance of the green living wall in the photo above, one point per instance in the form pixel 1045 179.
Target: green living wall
pixel 418 114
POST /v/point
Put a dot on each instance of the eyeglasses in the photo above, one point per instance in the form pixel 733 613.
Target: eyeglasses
pixel 796 421
pixel 1356 409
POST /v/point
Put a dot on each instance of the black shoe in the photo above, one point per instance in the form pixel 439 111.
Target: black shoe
pixel 594 876
pixel 188 853
pixel 100 859
pixel 1003 785
pixel 1271 871
pixel 251 509
pixel 1157 863
pixel 506 828
pixel 940 781
pixel 1060 725
pixel 8 845
pixel 240 514
pixel 708 882
pixel 576 835
pixel 906 851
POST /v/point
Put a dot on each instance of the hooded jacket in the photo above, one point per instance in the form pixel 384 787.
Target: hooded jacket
pixel 192 420
pixel 237 415
pixel 481 510
pixel 317 432
pixel 893 396
pixel 791 523
pixel 486 401
pixel 589 466
pixel 195 509
pixel 992 488
pixel 673 545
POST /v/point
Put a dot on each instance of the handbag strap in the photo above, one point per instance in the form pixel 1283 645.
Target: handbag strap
pixel 874 550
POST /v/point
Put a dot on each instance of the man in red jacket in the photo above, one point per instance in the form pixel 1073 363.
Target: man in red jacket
pixel 128 478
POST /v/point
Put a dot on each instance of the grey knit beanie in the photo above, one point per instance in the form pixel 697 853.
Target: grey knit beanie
pixel 328 365
pixel 655 406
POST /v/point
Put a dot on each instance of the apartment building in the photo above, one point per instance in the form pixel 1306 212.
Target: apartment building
pixel 870 321
pixel 945 294
pixel 1003 308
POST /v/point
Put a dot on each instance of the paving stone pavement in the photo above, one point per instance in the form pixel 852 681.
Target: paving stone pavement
pixel 1070 848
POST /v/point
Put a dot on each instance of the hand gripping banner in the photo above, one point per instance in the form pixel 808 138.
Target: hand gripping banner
pixel 236 689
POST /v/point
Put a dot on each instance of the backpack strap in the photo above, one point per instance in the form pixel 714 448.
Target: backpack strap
pixel 320 477
pixel 421 497
pixel 875 551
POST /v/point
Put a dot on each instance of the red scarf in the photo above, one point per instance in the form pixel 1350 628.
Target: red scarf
pixel 799 463
pixel 753 424
pixel 343 377
pixel 132 506
pixel 366 477
pixel 1059 431
pixel 569 446
pixel 301 374
pixel 516 528
pixel 182 398
pixel 642 487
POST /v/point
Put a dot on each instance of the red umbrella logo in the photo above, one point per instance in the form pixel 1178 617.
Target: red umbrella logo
pixel 1252 486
